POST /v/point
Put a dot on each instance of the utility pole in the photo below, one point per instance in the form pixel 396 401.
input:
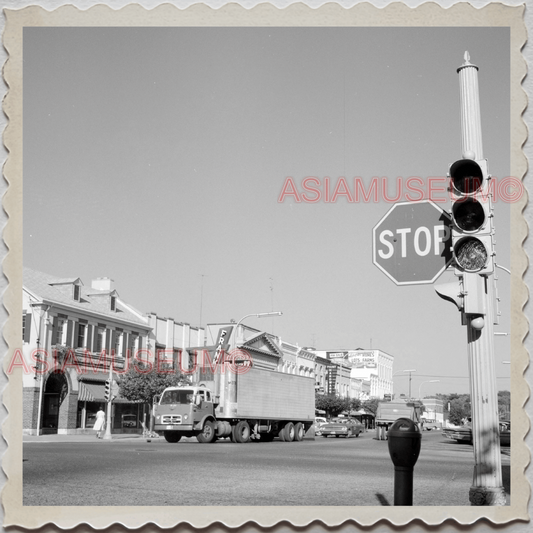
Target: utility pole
pixel 473 292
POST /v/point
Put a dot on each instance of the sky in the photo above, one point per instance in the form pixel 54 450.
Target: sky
pixel 157 157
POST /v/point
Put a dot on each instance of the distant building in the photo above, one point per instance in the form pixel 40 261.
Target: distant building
pixel 433 410
pixel 339 379
pixel 321 374
pixel 370 370
pixel 270 352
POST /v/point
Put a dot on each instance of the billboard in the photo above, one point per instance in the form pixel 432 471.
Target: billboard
pixel 366 359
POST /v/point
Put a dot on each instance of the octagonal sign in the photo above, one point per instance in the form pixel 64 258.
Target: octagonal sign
pixel 412 242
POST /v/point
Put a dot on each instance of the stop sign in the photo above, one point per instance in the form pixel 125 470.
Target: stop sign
pixel 412 242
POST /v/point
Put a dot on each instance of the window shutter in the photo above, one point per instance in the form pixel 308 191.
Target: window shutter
pixel 54 330
pixel 95 338
pixel 76 334
pixel 108 340
pixel 27 326
pixel 125 342
pixel 69 342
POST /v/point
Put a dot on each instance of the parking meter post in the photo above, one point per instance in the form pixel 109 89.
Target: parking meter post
pixel 404 440
pixel 403 485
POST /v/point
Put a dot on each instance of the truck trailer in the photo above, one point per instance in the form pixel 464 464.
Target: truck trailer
pixel 388 412
pixel 238 401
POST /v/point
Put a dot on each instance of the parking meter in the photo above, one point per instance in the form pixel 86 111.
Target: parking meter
pixel 404 439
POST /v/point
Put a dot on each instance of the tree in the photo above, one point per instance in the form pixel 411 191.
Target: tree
pixel 371 406
pixel 141 383
pixel 460 408
pixel 355 404
pixel 504 405
pixel 332 404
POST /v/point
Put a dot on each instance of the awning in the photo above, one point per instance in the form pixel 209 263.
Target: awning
pixel 95 392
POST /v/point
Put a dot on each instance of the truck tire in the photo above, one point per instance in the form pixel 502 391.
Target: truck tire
pixel 172 436
pixel 299 432
pixel 208 433
pixel 241 432
pixel 288 432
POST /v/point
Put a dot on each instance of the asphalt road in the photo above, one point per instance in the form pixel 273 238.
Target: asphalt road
pixel 330 471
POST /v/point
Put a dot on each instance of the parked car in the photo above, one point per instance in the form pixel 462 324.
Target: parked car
pixel 427 424
pixel 505 433
pixel 464 433
pixel 345 427
pixel 319 421
pixel 460 434
pixel 129 421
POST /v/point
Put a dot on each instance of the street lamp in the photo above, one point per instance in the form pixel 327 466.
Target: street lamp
pixel 430 381
pixel 257 315
pixel 232 385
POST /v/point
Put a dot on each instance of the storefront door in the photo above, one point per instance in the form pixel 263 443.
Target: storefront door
pixel 54 393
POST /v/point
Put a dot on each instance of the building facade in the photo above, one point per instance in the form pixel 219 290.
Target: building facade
pixel 268 351
pixel 71 335
pixel 370 372
pixel 433 410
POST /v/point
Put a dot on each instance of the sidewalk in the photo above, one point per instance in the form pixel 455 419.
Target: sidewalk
pixel 81 438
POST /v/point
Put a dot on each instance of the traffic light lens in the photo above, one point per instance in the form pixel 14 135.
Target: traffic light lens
pixel 469 215
pixel 466 176
pixel 471 254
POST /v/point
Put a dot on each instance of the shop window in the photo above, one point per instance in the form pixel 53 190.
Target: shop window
pixel 100 338
pixel 61 332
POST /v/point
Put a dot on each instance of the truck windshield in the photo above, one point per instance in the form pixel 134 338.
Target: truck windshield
pixel 177 396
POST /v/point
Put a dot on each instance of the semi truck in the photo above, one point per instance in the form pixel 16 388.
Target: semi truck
pixel 237 400
pixel 388 412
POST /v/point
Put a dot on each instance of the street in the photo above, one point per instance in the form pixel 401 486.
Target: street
pixel 330 471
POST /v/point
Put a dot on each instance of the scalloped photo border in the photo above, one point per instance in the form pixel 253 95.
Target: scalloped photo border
pixel 330 15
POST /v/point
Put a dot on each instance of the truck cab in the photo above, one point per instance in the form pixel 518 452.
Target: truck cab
pixel 184 412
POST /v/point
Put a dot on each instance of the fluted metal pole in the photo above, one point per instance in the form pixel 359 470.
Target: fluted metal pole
pixel 487 486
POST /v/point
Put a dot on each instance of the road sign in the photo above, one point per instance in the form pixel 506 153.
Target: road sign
pixel 412 242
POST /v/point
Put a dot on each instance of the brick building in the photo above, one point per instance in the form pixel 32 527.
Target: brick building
pixel 67 330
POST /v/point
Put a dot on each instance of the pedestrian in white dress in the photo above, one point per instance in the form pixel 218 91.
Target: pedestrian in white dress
pixel 100 422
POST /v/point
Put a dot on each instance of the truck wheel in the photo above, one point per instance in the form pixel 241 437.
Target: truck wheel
pixel 288 431
pixel 208 433
pixel 299 432
pixel 171 436
pixel 242 431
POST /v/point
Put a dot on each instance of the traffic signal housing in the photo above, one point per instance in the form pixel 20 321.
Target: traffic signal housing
pixel 107 391
pixel 472 230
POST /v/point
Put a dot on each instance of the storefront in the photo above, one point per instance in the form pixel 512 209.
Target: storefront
pixel 126 416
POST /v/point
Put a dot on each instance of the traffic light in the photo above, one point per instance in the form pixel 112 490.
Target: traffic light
pixel 107 393
pixel 472 231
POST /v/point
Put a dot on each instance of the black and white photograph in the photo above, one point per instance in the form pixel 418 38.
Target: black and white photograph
pixel 268 265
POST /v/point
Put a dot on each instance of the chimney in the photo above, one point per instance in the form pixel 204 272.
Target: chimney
pixel 102 284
